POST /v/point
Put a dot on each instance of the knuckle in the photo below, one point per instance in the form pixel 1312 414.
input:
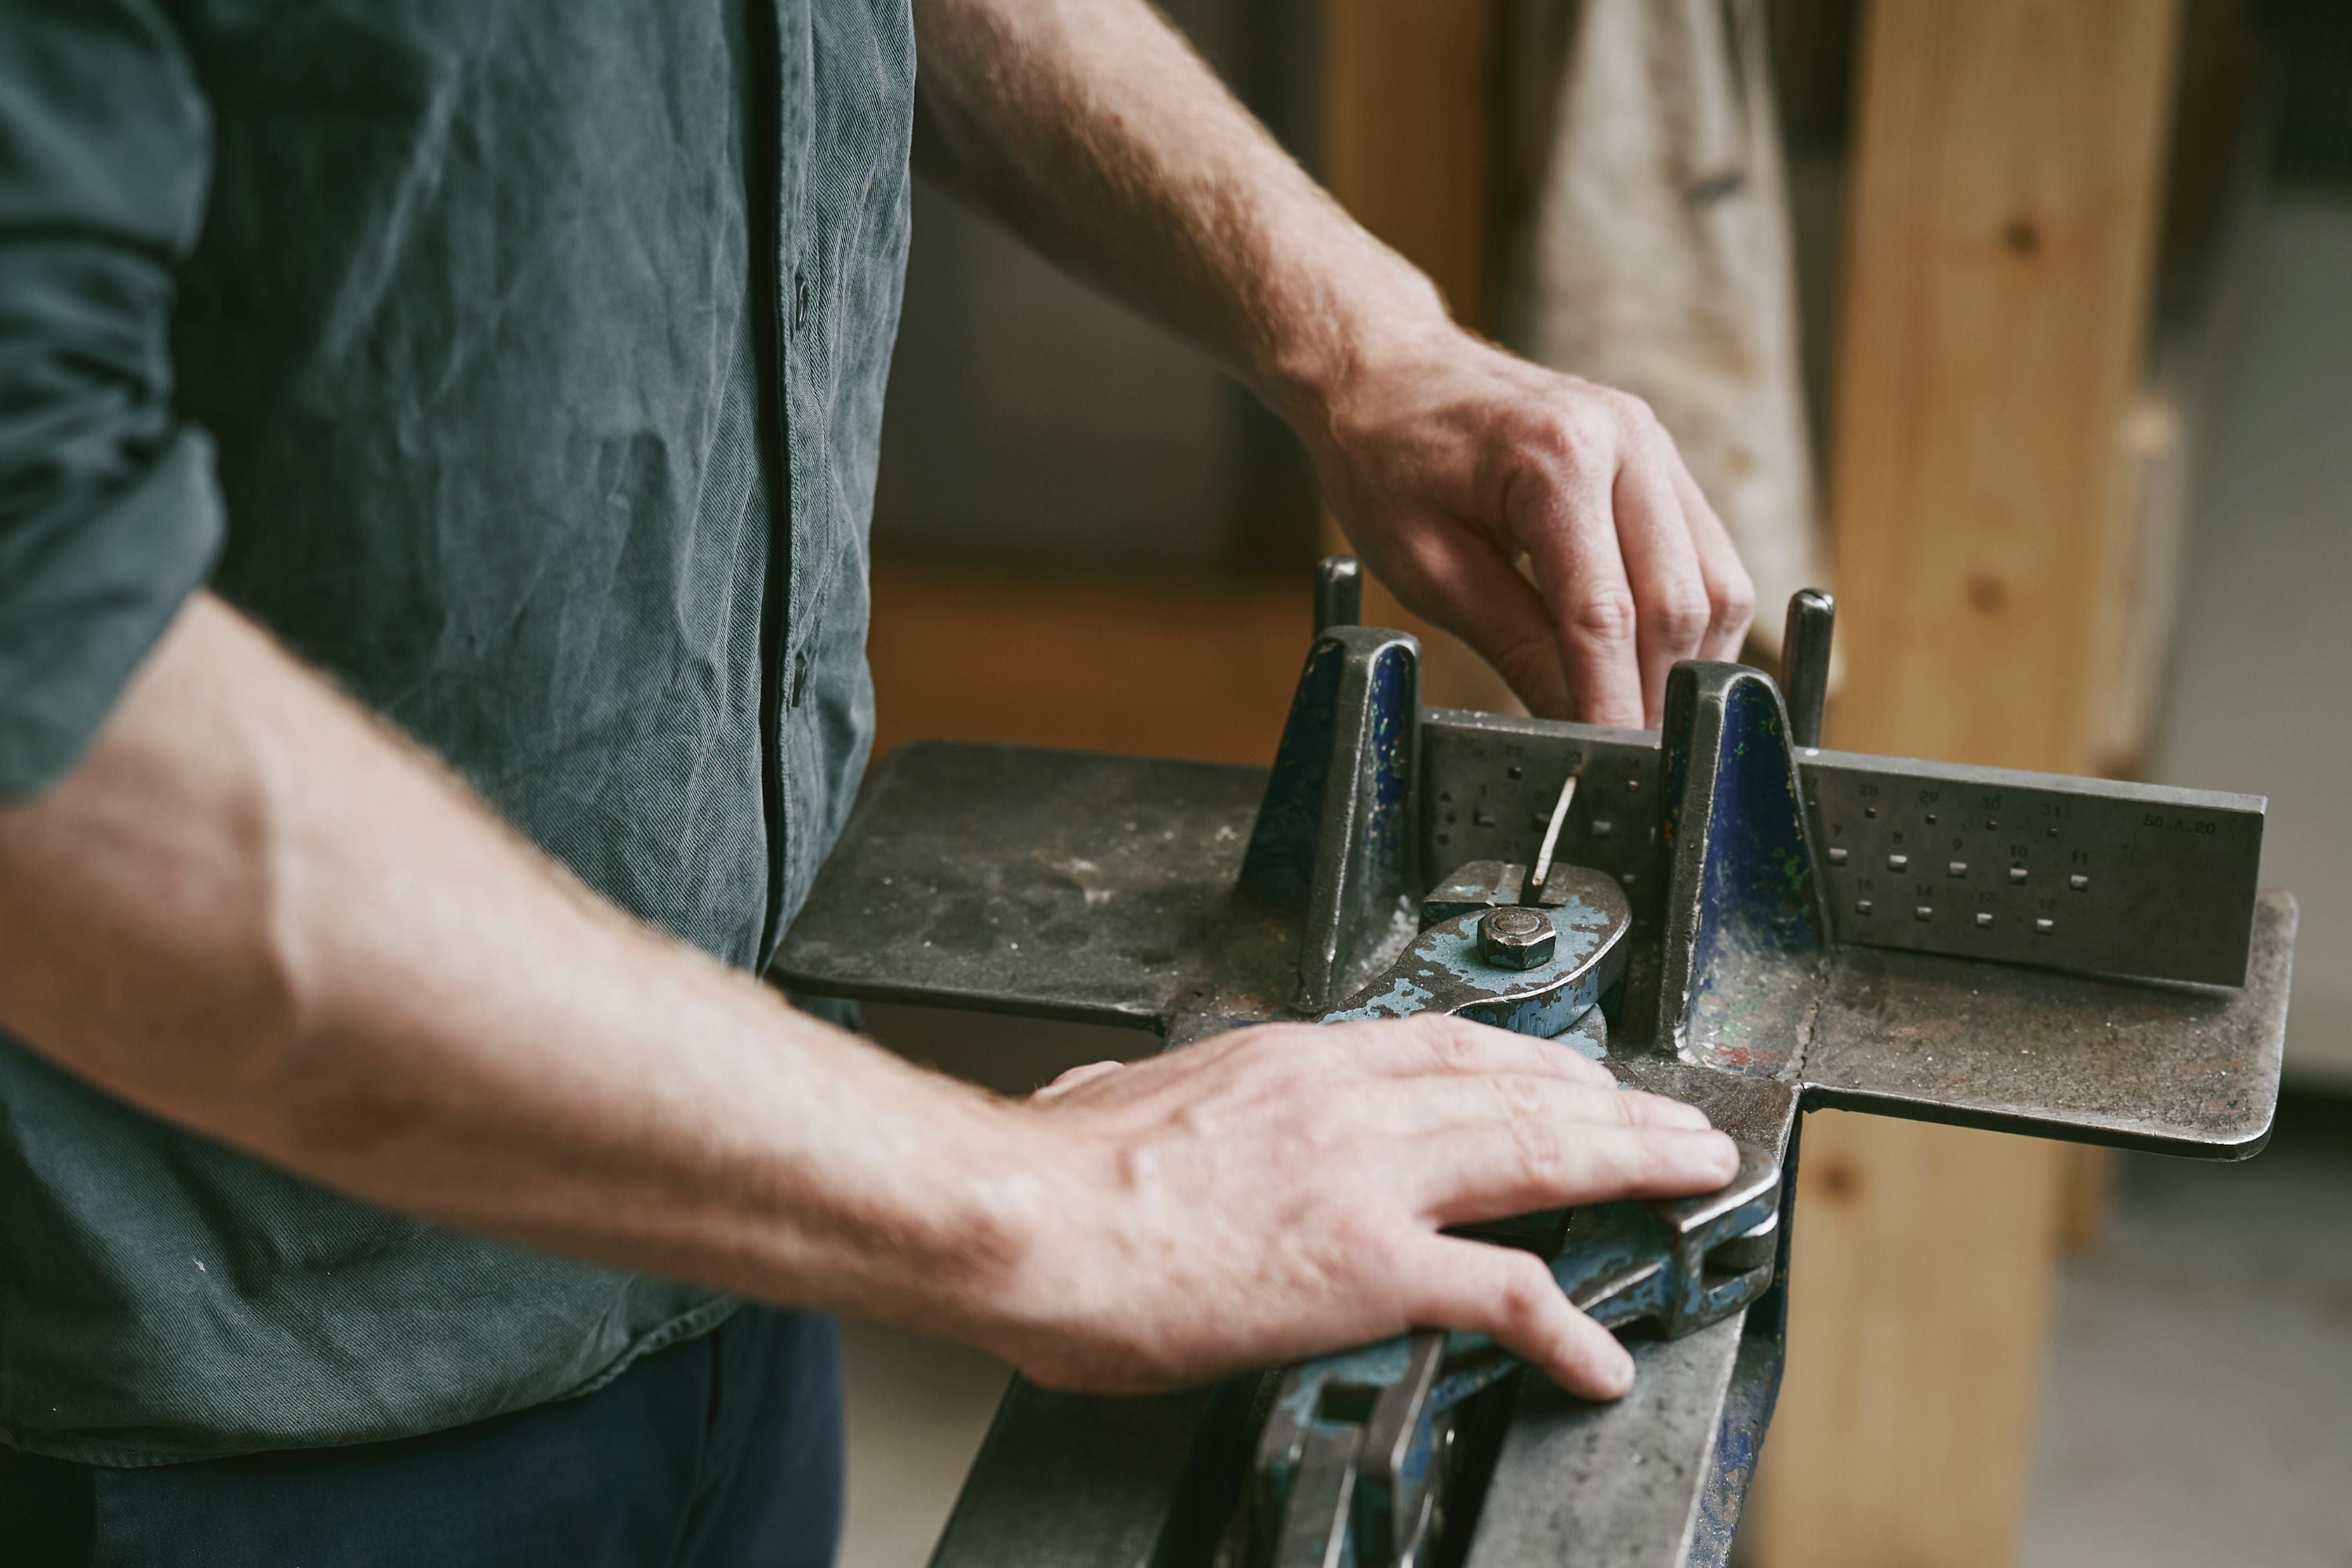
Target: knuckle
pixel 1632 411
pixel 1528 1290
pixel 1285 1066
pixel 1565 439
pixel 1681 617
pixel 1732 605
pixel 1455 1047
pixel 1604 616
pixel 1544 1154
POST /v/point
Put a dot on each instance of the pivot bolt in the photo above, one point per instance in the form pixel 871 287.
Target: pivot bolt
pixel 1515 938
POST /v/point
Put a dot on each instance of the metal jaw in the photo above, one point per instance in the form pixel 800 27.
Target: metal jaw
pixel 1351 1466
pixel 2066 957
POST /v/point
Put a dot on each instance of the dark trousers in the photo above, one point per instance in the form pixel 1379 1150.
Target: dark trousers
pixel 722 1452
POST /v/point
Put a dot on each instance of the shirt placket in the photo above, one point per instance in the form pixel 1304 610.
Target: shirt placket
pixel 783 654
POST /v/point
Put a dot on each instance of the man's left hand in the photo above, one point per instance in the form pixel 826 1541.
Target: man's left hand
pixel 1447 461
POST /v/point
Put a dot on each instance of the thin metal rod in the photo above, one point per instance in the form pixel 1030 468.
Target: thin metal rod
pixel 1805 662
pixel 1339 593
pixel 1551 838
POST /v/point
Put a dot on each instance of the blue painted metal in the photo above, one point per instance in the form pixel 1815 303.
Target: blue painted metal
pixel 1280 864
pixel 1440 970
pixel 1743 905
pixel 1624 1263
pixel 1754 1391
pixel 1334 839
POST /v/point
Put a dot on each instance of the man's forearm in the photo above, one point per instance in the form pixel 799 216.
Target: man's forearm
pixel 1094 130
pixel 1098 133
pixel 255 911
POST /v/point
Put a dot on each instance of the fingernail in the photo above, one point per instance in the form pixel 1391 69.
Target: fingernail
pixel 1617 1372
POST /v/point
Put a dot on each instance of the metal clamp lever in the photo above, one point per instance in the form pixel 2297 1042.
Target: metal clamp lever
pixel 1351 1465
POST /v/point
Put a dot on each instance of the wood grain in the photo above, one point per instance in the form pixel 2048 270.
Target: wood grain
pixel 1411 147
pixel 2002 215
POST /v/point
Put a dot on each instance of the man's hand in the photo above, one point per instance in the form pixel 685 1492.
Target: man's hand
pixel 1092 129
pixel 350 969
pixel 1278 1192
pixel 1447 460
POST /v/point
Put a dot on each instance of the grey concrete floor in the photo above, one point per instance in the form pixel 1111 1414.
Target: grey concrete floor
pixel 918 1408
pixel 2194 1409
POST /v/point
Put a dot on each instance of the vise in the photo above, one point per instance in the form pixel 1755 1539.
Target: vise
pixel 1722 911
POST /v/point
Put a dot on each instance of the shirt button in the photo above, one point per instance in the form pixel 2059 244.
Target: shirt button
pixel 799 300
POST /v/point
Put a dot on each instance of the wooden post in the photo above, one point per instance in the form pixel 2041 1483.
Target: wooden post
pixel 2002 214
pixel 1411 126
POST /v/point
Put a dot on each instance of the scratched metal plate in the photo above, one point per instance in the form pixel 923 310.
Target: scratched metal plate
pixel 1056 884
pixel 1489 782
pixel 2090 875
pixel 2066 873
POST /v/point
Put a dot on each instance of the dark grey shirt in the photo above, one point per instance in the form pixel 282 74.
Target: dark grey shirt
pixel 521 364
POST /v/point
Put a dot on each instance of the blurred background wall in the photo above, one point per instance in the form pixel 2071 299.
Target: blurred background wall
pixel 2075 295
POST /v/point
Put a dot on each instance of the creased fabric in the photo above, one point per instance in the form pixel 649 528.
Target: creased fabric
pixel 520 366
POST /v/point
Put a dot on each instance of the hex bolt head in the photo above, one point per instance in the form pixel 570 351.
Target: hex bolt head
pixel 1515 938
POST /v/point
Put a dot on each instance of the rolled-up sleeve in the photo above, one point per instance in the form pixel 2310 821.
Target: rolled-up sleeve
pixel 110 513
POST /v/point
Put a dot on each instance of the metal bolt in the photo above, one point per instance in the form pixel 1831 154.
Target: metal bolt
pixel 1515 938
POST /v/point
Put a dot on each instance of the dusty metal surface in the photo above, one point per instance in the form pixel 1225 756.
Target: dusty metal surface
pixel 2180 1069
pixel 1354 1458
pixel 1115 890
pixel 1064 1481
pixel 1059 884
pixel 1489 782
pixel 1655 1480
pixel 1611 1486
pixel 1333 843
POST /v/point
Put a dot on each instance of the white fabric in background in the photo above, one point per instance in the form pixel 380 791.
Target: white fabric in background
pixel 1651 250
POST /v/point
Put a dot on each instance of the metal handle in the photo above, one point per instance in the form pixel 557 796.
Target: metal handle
pixel 1805 662
pixel 1339 593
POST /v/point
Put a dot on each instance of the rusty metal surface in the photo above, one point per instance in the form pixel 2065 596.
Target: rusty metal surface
pixel 1060 884
pixel 2180 1069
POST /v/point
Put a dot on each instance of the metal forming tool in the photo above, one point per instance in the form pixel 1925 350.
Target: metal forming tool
pixel 1728 915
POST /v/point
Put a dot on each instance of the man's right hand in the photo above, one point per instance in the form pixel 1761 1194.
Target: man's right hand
pixel 349 968
pixel 1278 1191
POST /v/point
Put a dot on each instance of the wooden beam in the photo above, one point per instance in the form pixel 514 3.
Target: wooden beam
pixel 2002 212
pixel 1411 147
pixel 1199 667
